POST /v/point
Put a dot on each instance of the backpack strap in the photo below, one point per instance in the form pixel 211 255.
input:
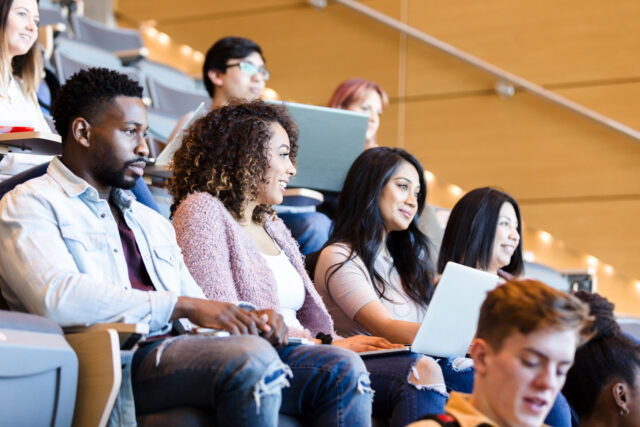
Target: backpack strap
pixel 444 420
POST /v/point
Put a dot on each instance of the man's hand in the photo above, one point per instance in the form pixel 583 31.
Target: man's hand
pixel 220 315
pixel 277 336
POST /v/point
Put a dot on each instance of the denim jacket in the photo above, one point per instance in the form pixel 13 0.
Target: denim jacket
pixel 61 256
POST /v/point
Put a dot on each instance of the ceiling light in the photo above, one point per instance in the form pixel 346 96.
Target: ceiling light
pixel 455 190
pixel 270 94
pixel 164 38
pixel 545 237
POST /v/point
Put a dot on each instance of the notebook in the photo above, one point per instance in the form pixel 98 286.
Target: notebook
pixel 451 320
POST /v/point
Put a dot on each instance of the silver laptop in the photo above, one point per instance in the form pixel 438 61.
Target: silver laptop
pixel 452 316
pixel 329 141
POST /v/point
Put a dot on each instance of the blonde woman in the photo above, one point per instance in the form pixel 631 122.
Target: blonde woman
pixel 20 73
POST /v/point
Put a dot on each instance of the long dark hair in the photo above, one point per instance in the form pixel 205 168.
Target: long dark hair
pixel 609 356
pixel 471 230
pixel 359 224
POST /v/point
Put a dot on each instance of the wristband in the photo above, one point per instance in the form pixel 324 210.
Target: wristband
pixel 324 338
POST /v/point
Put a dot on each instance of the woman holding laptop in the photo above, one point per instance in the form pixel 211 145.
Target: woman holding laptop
pixel 484 231
pixel 373 274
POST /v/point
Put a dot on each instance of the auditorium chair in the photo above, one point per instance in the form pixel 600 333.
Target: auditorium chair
pixel 124 43
pixel 169 75
pixel 38 372
pixel 174 101
pixel 70 56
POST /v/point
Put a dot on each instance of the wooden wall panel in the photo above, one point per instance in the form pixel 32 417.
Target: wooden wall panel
pixel 194 10
pixel 308 51
pixel 617 287
pixel 544 41
pixel 607 231
pixel 522 144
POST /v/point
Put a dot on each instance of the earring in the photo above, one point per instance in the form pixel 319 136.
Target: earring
pixel 624 412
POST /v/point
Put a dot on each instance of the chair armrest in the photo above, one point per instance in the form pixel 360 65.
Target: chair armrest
pixel 99 375
pixel 27 322
pixel 128 333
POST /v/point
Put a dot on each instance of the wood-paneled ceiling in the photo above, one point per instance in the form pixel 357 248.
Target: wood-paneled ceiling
pixel 573 178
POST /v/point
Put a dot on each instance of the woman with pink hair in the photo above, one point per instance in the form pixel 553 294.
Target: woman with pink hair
pixel 363 96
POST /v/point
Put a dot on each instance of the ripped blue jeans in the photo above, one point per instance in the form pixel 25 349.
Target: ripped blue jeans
pixel 330 386
pixel 238 378
pixel 396 398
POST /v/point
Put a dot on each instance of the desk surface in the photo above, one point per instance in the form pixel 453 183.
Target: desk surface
pixel 158 171
pixel 31 143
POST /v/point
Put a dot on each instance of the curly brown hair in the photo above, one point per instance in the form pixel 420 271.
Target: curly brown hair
pixel 226 154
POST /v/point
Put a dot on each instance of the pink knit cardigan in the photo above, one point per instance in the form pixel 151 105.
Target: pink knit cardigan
pixel 226 263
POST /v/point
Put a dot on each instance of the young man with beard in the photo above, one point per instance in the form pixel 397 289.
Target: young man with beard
pixel 78 249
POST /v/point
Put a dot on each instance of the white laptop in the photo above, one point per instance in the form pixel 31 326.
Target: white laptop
pixel 172 146
pixel 452 316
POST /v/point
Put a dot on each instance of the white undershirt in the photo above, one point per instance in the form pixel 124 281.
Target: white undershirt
pixel 289 287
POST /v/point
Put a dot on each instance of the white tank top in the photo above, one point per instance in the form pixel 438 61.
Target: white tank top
pixel 289 285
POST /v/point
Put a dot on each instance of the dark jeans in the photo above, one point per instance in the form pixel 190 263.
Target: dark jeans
pixel 395 397
pixel 237 378
pixel 330 386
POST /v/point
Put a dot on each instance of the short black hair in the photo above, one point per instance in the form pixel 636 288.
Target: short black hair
pixel 85 92
pixel 609 356
pixel 471 230
pixel 223 50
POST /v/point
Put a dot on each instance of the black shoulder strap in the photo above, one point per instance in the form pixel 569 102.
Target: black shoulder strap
pixel 444 420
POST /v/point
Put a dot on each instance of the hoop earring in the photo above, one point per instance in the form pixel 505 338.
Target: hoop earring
pixel 624 412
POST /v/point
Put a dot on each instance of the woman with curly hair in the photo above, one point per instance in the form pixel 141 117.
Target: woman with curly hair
pixel 603 386
pixel 234 164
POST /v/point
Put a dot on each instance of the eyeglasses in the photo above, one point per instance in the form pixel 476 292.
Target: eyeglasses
pixel 251 69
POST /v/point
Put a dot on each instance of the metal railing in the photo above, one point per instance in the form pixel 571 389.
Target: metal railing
pixel 507 82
